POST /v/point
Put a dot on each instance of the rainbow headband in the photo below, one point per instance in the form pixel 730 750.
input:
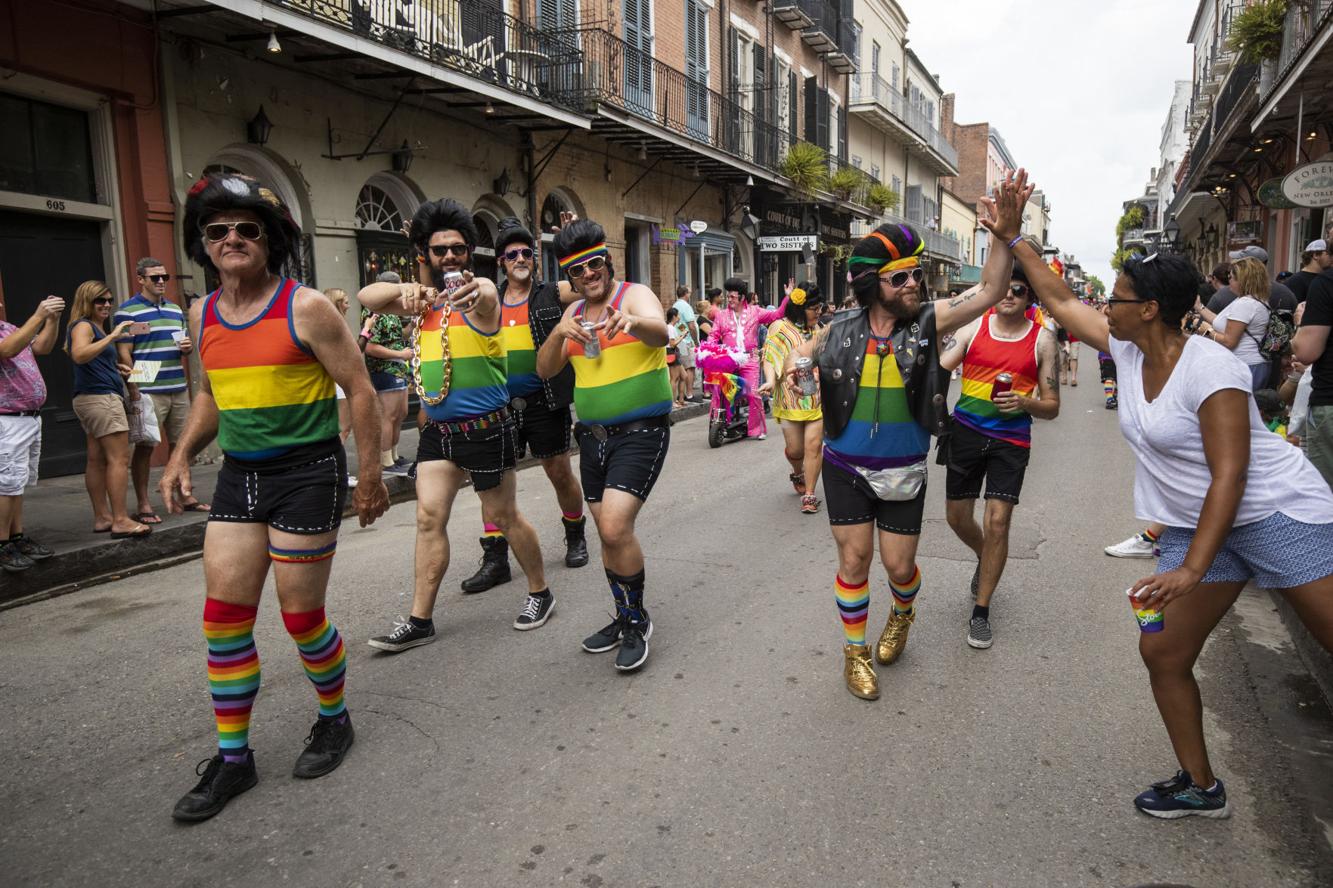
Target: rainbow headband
pixel 583 256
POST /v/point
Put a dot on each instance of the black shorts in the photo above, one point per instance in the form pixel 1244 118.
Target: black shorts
pixel 541 429
pixel 307 498
pixel 849 500
pixel 1107 367
pixel 972 456
pixel 486 454
pixel 630 461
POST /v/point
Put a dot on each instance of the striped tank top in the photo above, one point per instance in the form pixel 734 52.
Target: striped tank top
pixel 523 379
pixel 882 432
pixel 626 382
pixel 986 358
pixel 273 396
pixel 477 384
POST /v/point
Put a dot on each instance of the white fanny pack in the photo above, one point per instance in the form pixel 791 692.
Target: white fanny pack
pixel 897 484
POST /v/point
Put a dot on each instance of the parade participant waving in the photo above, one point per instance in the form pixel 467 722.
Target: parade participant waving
pixel 461 375
pixel 615 336
pixel 1239 503
pixel 530 310
pixel 736 328
pixel 272 352
pixel 882 391
pixel 1010 365
pixel 800 419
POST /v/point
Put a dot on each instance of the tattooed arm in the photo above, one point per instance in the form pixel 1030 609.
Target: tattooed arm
pixel 1003 217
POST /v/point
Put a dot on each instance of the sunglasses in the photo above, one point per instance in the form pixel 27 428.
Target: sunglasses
pixel 216 232
pixel 162 278
pixel 596 263
pixel 899 278
pixel 1019 289
pixel 439 251
pixel 102 300
pixel 515 253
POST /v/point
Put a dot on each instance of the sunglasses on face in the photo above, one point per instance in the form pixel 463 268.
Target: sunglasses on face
pixel 439 251
pixel 1018 289
pixel 102 300
pixel 216 232
pixel 596 263
pixel 515 253
pixel 161 278
pixel 899 278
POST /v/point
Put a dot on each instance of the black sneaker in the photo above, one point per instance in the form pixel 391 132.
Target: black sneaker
pixel 608 637
pixel 1112 403
pixel 329 740
pixel 633 646
pixel 1182 797
pixel 13 560
pixel 536 610
pixel 979 634
pixel 221 781
pixel 404 635
pixel 31 548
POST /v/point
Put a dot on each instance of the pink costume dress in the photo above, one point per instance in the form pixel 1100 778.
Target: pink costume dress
pixel 738 330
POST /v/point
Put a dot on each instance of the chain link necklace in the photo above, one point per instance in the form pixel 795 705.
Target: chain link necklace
pixel 447 368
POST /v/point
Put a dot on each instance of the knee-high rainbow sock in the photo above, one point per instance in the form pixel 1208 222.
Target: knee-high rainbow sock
pixel 491 531
pixel 322 655
pixel 233 673
pixel 1109 387
pixel 904 594
pixel 853 607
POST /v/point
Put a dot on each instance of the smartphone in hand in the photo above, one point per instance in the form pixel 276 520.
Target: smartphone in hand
pixel 140 328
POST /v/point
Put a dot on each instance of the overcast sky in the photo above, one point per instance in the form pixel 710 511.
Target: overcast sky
pixel 1079 89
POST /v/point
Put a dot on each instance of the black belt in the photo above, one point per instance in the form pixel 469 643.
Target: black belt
pixel 474 424
pixel 602 432
pixel 21 413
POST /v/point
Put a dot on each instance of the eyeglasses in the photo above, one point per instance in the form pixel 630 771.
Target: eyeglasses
pixel 216 232
pixel 525 252
pixel 102 300
pixel 163 278
pixel 899 278
pixel 1019 289
pixel 596 263
pixel 439 251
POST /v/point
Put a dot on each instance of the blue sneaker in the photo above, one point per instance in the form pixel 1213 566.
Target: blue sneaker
pixel 1180 797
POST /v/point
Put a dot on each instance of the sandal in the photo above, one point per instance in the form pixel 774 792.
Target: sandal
pixel 147 517
pixel 798 481
pixel 143 531
pixel 195 506
pixel 809 504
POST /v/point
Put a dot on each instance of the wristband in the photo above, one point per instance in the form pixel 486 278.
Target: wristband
pixel 1013 243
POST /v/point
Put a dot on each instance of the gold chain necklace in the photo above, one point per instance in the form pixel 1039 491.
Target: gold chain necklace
pixel 447 368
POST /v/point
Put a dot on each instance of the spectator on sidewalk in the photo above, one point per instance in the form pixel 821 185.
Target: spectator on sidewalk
pixel 685 351
pixel 1280 298
pixel 1241 324
pixel 1220 277
pixel 387 355
pixel 1310 347
pixel 22 393
pixel 1314 260
pixel 165 343
pixel 99 403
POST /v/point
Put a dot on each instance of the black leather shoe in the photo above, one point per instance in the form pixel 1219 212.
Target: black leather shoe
pixel 221 781
pixel 325 747
pixel 576 544
pixel 494 568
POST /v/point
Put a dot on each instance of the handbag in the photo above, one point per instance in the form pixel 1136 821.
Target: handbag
pixel 142 420
pixel 898 484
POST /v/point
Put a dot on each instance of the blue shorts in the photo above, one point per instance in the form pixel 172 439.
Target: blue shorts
pixel 1277 553
pixel 387 382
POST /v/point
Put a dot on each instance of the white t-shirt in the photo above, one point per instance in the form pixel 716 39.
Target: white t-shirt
pixel 1254 315
pixel 1172 475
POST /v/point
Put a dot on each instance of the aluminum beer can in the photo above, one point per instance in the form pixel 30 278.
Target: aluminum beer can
pixel 452 281
pixel 805 375
pixel 592 349
pixel 1004 382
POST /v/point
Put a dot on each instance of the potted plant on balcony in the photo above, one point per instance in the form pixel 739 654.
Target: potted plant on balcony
pixel 807 167
pixel 846 182
pixel 1256 31
pixel 881 197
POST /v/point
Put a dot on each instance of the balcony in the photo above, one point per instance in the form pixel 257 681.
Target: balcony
pixel 1305 58
pixel 846 58
pixel 831 32
pixel 939 246
pixel 792 14
pixel 885 108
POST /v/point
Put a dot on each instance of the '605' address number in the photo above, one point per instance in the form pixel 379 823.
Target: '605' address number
pixel 57 205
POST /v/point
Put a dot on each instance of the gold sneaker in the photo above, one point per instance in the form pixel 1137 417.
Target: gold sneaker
pixel 859 672
pixel 894 638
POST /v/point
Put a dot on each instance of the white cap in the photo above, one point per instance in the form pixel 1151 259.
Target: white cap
pixel 1316 246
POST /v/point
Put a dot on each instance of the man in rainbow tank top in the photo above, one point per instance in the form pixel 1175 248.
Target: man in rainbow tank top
pixel 882 391
pixel 460 371
pixel 272 352
pixel 615 337
pixel 530 310
pixel 992 432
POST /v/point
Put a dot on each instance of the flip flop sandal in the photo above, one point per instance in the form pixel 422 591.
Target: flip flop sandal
pixel 195 506
pixel 147 517
pixel 101 530
pixel 131 534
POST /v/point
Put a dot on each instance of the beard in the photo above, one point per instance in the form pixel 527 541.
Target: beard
pixel 904 306
pixel 520 274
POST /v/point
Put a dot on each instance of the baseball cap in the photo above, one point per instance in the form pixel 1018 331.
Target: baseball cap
pixel 1250 252
pixel 1316 246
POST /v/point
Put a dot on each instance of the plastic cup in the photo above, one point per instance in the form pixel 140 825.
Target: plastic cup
pixel 1149 619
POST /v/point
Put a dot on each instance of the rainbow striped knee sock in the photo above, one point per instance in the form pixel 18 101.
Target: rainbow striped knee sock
pixel 904 594
pixel 233 673
pixel 853 607
pixel 322 655
pixel 491 531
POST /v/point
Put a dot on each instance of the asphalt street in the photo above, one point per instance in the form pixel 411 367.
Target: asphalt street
pixel 734 758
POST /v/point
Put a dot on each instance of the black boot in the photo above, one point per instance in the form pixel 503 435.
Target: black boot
pixel 576 545
pixel 494 568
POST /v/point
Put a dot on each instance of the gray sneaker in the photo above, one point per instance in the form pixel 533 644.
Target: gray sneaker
pixel 31 548
pixel 979 634
pixel 13 560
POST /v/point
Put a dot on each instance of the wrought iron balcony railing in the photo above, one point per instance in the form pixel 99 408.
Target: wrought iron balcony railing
pixel 938 244
pixel 1304 22
pixel 868 87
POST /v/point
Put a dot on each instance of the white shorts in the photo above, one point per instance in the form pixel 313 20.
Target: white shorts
pixel 20 450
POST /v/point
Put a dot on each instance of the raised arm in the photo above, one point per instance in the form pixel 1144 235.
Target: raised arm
pixel 768 316
pixel 1084 321
pixel 82 347
pixel 35 331
pixel 1003 217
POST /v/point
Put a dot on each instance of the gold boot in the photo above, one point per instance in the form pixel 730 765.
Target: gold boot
pixel 859 672
pixel 894 638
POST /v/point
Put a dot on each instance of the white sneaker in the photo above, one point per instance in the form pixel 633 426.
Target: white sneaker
pixel 1134 547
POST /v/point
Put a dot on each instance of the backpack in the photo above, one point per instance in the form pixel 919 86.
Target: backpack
pixel 1278 334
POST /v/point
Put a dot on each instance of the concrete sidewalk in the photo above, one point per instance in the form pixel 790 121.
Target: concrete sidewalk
pixel 57 512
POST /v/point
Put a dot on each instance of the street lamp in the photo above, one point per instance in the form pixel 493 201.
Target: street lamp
pixel 258 128
pixel 1172 234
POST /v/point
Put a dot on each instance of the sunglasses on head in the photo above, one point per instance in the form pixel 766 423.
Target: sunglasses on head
pixel 102 300
pixel 899 278
pixel 439 251
pixel 525 252
pixel 216 232
pixel 596 263
pixel 161 278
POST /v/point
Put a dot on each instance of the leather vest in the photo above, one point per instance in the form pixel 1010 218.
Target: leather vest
pixel 916 348
pixel 544 313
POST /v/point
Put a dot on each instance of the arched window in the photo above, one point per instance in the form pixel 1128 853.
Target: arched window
pixel 383 204
pixel 247 160
pixel 552 208
pixel 376 211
